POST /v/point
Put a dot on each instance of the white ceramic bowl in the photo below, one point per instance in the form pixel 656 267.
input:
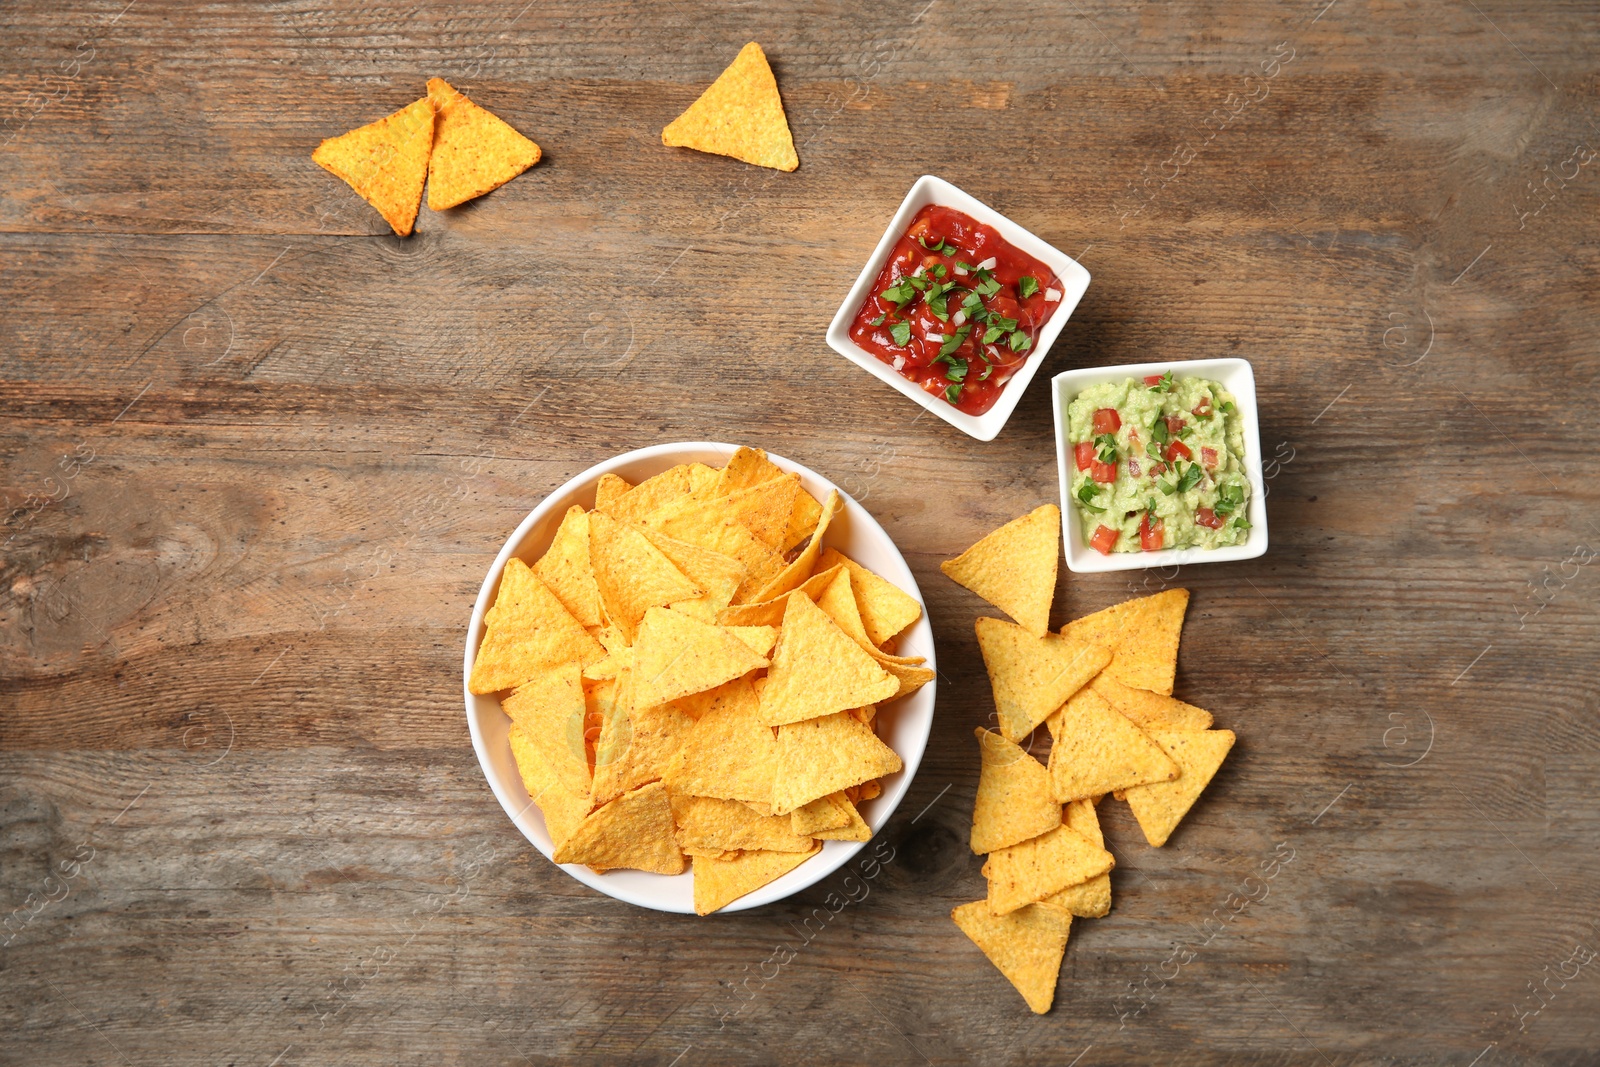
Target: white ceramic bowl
pixel 1074 281
pixel 1233 375
pixel 903 725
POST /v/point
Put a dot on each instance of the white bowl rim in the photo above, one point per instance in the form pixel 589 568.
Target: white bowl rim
pixel 930 189
pixel 1236 375
pixel 914 712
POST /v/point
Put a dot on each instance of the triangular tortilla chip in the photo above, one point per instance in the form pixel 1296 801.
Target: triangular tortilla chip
pixel 637 742
pixel 824 813
pixel 706 822
pixel 909 677
pixel 1026 946
pixel 855 830
pixel 720 533
pixel 652 494
pixel 385 162
pixel 760 639
pixel 566 569
pixel 1142 635
pixel 563 809
pixel 525 631
pixel 1160 807
pixel 838 601
pixel 474 150
pixel 633 831
pixel 632 574
pixel 763 509
pixel 608 490
pixel 886 609
pixel 550 709
pixel 822 756
pixel 740 115
pixel 818 670
pixel 676 655
pixel 1014 568
pixel 1014 801
pixel 1097 750
pixel 770 612
pixel 750 466
pixel 1041 867
pixel 729 753
pixel 805 564
pixel 719 575
pixel 1031 676
pixel 1090 899
pixel 1150 711
pixel 718 883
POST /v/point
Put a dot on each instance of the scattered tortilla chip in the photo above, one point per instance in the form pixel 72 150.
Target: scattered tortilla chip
pixel 818 670
pixel 1091 899
pixel 1160 807
pixel 1041 867
pixel 740 115
pixel 385 162
pixel 474 150
pixel 855 830
pixel 566 569
pixel 719 575
pixel 676 655
pixel 805 563
pixel 1150 711
pixel 1026 945
pixel 885 608
pixel 632 574
pixel 718 883
pixel 608 490
pixel 706 822
pixel 1014 568
pixel 729 753
pixel 824 813
pixel 563 809
pixel 525 631
pixel 1014 801
pixel 760 639
pixel 1096 750
pixel 824 755
pixel 633 831
pixel 550 709
pixel 637 742
pixel 1143 637
pixel 1032 676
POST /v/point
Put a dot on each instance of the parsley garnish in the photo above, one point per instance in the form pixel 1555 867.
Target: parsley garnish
pixel 940 270
pixel 1226 405
pixel 1164 385
pixel 1158 431
pixel 987 286
pixel 877 321
pixel 1229 497
pixel 1190 478
pixel 1027 286
pixel 901 293
pixel 986 372
pixel 1086 494
pixel 1106 447
pixel 992 334
pixel 1020 342
pixel 901 333
pixel 954 341
pixel 1165 487
pixel 1241 523
pixel 953 393
pixel 936 304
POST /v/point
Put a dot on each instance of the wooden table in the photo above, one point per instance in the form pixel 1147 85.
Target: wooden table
pixel 258 454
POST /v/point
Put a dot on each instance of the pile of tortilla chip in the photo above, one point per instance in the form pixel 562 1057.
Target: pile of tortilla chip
pixel 1103 687
pixel 690 673
pixel 458 148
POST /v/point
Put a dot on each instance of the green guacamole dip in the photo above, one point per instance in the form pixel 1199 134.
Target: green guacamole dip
pixel 1158 463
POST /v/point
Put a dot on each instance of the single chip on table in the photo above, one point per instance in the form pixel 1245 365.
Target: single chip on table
pixel 1026 945
pixel 818 670
pixel 1096 750
pixel 633 575
pixel 1160 807
pixel 1014 568
pixel 711 823
pixel 633 831
pixel 1031 676
pixel 1143 637
pixel 1015 803
pixel 563 809
pixel 474 150
pixel 385 162
pixel 1150 711
pixel 608 490
pixel 1091 899
pixel 729 753
pixel 824 813
pixel 676 655
pixel 1041 867
pixel 720 882
pixel 566 569
pixel 739 115
pixel 637 742
pixel 805 564
pixel 824 755
pixel 525 631
pixel 550 708
pixel 885 608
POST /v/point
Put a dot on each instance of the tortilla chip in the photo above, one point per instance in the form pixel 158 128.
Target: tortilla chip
pixel 720 533
pixel 750 466
pixel 550 709
pixel 632 574
pixel 821 756
pixel 824 813
pixel 677 655
pixel 652 494
pixel 611 638
pixel 761 639
pixel 729 753
pixel 719 575
pixel 1160 807
pixel 885 608
pixel 838 601
pixel 1091 899
pixel 385 162
pixel 633 831
pixel 818 670
pixel 718 883
pixel 608 490
pixel 1014 568
pixel 865 715
pixel 1031 676
pixel 1096 750
pixel 474 150
pixel 1014 802
pixel 706 822
pixel 855 830
pixel 909 677
pixel 566 569
pixel 740 115
pixel 770 612
pixel 763 509
pixel 709 853
pixel 637 742
pixel 1041 867
pixel 805 563
pixel 525 631
pixel 563 809
pixel 1143 637
pixel 1150 711
pixel 1027 946
pixel 867 791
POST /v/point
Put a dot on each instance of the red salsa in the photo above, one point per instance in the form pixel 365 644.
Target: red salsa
pixel 957 309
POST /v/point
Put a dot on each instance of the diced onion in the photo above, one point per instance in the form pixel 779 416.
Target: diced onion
pixel 936 338
pixel 918 272
pixel 899 362
pixel 1052 295
pixel 962 271
pixel 958 318
pixel 987 264
pixel 994 353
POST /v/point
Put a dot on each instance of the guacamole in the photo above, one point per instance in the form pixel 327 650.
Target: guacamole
pixel 1158 463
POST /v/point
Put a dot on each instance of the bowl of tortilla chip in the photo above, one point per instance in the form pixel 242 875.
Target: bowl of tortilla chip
pixel 699 677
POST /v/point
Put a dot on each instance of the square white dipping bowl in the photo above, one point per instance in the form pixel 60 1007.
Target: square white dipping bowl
pixel 1234 375
pixel 1074 280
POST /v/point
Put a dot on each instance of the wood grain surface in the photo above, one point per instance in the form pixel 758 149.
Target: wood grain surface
pixel 257 454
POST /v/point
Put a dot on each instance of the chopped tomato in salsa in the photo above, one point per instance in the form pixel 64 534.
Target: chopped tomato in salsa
pixel 957 309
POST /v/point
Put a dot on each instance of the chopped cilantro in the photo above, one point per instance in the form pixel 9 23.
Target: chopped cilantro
pixel 1153 450
pixel 1027 286
pixel 1229 497
pixel 987 286
pixel 952 393
pixel 992 334
pixel 936 304
pixel 1086 494
pixel 1020 342
pixel 1190 477
pixel 901 293
pixel 1158 430
pixel 940 270
pixel 1241 523
pixel 1106 447
pixel 901 333
pixel 877 321
pixel 954 341
pixel 957 367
